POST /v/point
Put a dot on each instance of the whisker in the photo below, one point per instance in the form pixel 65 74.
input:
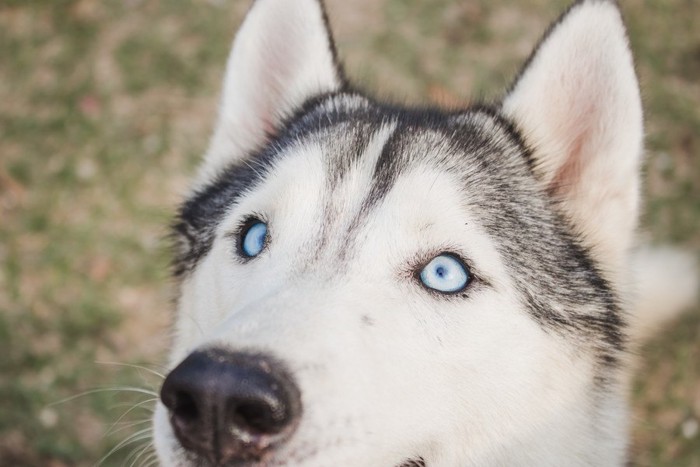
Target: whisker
pixel 134 438
pixel 131 409
pixel 126 426
pixel 137 390
pixel 137 367
pixel 123 405
pixel 138 454
pixel 151 461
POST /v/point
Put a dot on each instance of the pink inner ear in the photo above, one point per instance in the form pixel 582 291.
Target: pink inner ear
pixel 578 128
pixel 285 58
pixel 278 71
pixel 578 156
pixel 565 178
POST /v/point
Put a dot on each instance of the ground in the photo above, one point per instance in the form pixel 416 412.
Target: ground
pixel 105 109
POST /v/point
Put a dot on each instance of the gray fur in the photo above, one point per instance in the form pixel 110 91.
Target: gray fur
pixel 557 278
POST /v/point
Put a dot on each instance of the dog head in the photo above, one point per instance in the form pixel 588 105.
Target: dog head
pixel 367 285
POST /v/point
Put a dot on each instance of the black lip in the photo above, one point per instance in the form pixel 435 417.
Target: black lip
pixel 415 462
pixel 418 462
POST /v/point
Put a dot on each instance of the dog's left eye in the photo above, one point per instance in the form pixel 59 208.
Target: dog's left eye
pixel 445 273
pixel 253 238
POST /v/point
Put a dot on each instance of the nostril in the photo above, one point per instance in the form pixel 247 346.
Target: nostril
pixel 259 418
pixel 185 407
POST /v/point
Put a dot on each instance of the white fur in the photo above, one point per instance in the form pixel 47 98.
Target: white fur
pixel 281 56
pixel 410 361
pixel 579 108
pixel 665 283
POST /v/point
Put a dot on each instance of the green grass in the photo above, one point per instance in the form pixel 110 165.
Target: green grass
pixel 106 107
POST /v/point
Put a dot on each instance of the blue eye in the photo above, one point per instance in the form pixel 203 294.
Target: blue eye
pixel 253 238
pixel 445 273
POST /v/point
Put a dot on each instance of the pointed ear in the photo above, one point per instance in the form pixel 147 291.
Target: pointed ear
pixel 578 107
pixel 282 55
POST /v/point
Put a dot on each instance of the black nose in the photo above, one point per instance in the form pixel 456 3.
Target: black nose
pixel 231 406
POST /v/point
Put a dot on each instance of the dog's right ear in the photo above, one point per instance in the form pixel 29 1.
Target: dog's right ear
pixel 282 55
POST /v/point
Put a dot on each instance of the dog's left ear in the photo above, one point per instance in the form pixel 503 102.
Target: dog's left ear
pixel 282 55
pixel 578 107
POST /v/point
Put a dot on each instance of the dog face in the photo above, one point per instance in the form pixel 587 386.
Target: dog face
pixel 362 284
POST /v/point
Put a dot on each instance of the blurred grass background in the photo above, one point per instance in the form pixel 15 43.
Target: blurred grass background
pixel 105 109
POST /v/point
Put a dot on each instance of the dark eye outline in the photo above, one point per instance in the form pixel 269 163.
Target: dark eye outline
pixel 244 230
pixel 469 281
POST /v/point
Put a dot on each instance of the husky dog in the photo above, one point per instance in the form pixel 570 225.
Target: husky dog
pixel 362 284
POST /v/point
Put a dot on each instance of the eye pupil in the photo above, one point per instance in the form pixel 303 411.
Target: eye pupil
pixel 253 238
pixel 445 273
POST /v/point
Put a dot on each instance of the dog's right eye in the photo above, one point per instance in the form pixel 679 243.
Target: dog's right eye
pixel 445 273
pixel 253 238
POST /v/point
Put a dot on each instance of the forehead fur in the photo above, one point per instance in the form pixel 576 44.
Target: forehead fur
pixel 565 292
pixel 344 124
